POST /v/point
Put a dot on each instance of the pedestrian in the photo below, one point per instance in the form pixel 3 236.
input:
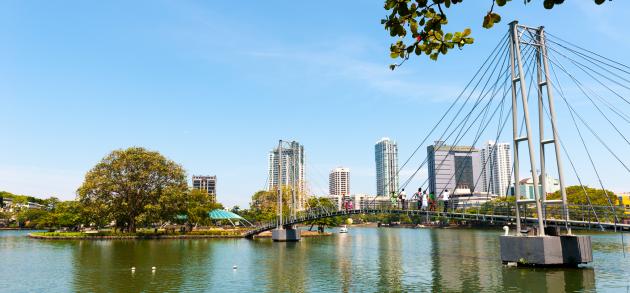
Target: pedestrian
pixel 394 199
pixel 432 201
pixel 425 201
pixel 418 197
pixel 402 196
pixel 445 199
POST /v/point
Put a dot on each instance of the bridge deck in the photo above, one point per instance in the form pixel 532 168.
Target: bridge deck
pixel 504 216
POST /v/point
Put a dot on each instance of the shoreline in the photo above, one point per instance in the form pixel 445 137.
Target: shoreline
pixel 130 237
pixel 83 236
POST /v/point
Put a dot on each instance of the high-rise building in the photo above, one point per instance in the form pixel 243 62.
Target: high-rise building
pixel 292 170
pixel 339 181
pixel 453 168
pixel 526 186
pixel 386 157
pixel 207 184
pixel 496 164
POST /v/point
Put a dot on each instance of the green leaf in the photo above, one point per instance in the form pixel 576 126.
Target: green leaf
pixel 448 36
pixel 413 25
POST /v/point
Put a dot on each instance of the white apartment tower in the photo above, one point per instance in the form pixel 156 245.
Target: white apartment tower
pixel 496 162
pixel 386 157
pixel 339 181
pixel 292 170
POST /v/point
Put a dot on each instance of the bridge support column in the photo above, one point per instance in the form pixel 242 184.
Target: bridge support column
pixel 563 250
pixel 285 234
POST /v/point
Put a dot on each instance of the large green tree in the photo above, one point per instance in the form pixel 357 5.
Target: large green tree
pixel 132 185
pixel 328 205
pixel 578 195
pixel 197 205
pixel 418 25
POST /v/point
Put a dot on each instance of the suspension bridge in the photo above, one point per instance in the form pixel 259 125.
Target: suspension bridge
pixel 524 72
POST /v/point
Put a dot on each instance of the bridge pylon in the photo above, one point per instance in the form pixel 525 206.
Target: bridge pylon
pixel 539 246
pixel 285 232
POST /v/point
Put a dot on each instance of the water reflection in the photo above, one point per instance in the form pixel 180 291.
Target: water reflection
pixel 548 280
pixel 105 266
pixel 389 263
pixel 364 260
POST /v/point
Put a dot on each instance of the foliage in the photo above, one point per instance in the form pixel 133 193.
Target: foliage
pixel 327 204
pixel 264 205
pixel 197 205
pixel 133 185
pixel 576 196
pixel 424 21
pixel 21 198
pixel 141 233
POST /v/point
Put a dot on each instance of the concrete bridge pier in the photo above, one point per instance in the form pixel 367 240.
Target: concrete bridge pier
pixel 546 250
pixel 285 234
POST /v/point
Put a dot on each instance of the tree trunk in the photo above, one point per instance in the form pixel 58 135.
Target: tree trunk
pixel 132 225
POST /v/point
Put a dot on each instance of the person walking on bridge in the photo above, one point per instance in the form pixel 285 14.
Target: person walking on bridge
pixel 425 201
pixel 394 199
pixel 445 199
pixel 402 196
pixel 418 198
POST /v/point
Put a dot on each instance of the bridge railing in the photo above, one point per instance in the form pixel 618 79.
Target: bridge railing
pixel 588 215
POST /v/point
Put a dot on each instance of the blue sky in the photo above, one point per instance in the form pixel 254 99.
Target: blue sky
pixel 213 85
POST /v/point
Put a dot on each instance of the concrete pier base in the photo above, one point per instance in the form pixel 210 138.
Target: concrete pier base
pixel 564 250
pixel 289 234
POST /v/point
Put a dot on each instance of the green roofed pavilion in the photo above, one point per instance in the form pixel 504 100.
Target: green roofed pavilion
pixel 219 214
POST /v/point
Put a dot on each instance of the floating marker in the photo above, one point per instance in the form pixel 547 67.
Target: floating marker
pixel 133 268
pixel 153 268
pixel 234 267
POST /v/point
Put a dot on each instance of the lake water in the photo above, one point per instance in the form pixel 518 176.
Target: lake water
pixel 364 260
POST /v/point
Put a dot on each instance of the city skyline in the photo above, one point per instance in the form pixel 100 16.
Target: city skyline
pixel 454 168
pixel 103 85
pixel 386 161
pixel 289 169
pixel 206 183
pixel 496 164
pixel 339 181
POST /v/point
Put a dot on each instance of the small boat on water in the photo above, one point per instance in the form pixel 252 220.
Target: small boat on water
pixel 343 229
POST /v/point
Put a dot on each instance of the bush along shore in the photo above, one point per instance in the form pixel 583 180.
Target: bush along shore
pixel 215 233
pixel 151 234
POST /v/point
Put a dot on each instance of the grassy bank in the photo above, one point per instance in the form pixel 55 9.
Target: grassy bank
pixel 148 234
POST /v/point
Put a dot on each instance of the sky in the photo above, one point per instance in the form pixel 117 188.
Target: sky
pixel 213 86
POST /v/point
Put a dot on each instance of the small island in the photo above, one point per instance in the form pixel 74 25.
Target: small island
pixel 136 193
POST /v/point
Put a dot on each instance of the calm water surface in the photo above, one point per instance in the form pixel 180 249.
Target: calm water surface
pixel 364 260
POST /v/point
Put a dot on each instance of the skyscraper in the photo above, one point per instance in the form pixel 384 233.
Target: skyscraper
pixel 292 170
pixel 453 168
pixel 339 181
pixel 386 157
pixel 207 184
pixel 496 162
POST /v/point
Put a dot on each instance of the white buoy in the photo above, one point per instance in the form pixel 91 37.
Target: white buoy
pixel 506 229
pixel 234 267
pixel 153 268
pixel 133 269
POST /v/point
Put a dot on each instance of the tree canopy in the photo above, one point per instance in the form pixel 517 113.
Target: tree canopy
pixel 578 196
pixel 133 185
pixel 418 25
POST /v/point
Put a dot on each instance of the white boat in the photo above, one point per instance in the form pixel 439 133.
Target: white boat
pixel 343 229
